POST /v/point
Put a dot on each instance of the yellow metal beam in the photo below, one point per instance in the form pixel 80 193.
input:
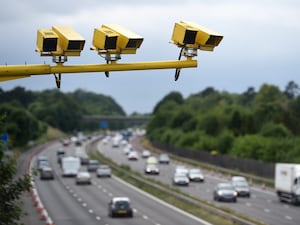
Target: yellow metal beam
pixel 10 72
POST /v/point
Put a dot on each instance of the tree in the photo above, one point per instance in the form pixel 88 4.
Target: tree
pixel 174 96
pixel 291 90
pixel 11 188
pixel 248 96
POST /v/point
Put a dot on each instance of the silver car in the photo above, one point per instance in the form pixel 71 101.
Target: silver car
pixel 83 177
pixel 180 179
pixel 104 171
pixel 196 175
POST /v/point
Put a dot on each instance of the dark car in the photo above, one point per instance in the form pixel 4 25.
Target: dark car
pixel 151 169
pixel 241 186
pixel 46 173
pixel 225 192
pixel 120 206
pixel 60 154
pixel 93 165
pixel 164 159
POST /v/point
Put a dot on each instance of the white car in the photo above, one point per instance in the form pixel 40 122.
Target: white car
pixel 133 155
pixel 127 149
pixel 104 171
pixel 83 177
pixel 146 154
pixel 181 169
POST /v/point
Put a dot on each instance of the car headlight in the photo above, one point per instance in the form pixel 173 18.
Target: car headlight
pixel 235 193
pixel 220 192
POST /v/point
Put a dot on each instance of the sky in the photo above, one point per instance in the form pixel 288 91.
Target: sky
pixel 260 45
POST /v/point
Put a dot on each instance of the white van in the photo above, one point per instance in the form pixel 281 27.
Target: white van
pixel 70 166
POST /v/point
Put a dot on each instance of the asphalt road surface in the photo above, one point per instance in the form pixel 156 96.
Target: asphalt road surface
pixel 68 203
pixel 263 205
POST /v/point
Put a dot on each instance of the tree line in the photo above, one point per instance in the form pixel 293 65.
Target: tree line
pixel 27 114
pixel 262 125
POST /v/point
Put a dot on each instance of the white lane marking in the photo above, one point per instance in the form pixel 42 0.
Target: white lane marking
pixel 99 186
pixel 286 206
pixel 91 211
pixel 74 195
pixel 110 194
pixel 162 202
pixel 288 218
pixel 145 217
pixel 248 204
pixel 267 210
pixel 98 218
pixel 79 200
pixel 84 204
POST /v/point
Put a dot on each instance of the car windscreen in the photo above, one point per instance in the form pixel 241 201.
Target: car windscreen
pixel 122 204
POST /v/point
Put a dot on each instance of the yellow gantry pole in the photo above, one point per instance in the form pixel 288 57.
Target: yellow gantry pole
pixel 10 72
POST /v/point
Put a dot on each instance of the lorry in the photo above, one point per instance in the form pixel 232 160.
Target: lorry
pixel 287 182
pixel 70 166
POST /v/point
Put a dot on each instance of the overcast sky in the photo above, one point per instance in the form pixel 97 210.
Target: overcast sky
pixel 260 45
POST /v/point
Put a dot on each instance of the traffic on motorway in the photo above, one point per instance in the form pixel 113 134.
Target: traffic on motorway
pixel 81 191
pixel 232 191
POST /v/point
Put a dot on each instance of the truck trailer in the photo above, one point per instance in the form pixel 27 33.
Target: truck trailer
pixel 287 182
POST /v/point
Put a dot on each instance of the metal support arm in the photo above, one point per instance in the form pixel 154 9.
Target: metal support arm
pixel 10 72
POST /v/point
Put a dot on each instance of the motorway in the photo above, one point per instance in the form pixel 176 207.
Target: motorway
pixel 262 206
pixel 68 203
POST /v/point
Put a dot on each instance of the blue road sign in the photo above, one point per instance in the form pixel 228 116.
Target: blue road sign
pixel 103 125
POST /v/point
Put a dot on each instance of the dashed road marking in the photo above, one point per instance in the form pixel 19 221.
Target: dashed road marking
pixel 288 218
pixel 98 218
pixel 267 210
pixel 248 204
pixel 145 217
